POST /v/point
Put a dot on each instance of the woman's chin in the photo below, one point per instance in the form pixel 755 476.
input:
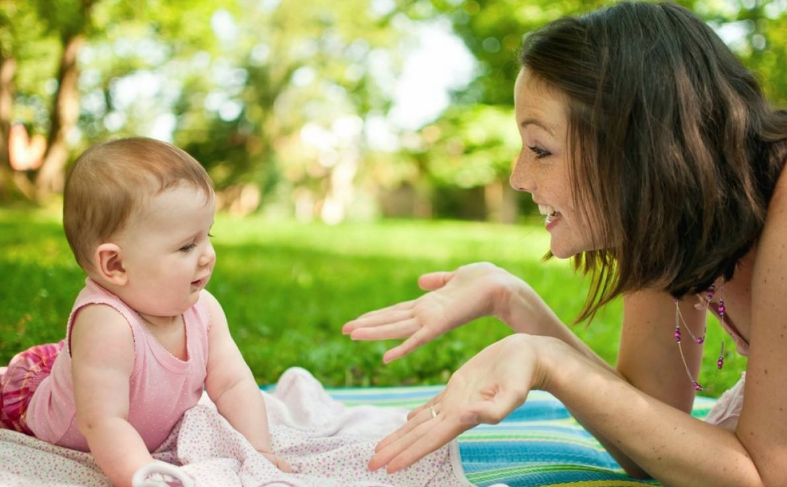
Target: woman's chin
pixel 562 252
pixel 562 256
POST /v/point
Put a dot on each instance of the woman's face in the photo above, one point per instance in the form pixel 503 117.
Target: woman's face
pixel 542 166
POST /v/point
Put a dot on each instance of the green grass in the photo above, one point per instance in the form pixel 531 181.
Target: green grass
pixel 287 289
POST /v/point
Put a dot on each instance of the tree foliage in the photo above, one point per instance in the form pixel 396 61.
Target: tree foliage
pixel 277 98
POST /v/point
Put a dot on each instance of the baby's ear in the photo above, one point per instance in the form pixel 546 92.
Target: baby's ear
pixel 109 264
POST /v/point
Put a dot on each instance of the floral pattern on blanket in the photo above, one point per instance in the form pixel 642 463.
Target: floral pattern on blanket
pixel 327 444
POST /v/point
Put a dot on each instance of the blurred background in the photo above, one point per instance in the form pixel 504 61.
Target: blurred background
pixel 354 145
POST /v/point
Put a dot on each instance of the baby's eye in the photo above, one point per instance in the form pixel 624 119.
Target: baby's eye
pixel 539 152
pixel 187 248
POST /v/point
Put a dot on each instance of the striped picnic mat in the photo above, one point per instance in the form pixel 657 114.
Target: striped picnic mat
pixel 539 444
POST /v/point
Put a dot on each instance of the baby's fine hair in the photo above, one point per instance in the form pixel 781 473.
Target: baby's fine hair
pixel 111 180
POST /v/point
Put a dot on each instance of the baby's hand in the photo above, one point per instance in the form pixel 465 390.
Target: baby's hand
pixel 280 463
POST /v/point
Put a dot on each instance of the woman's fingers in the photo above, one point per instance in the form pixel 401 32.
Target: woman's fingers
pixel 401 329
pixel 394 307
pixel 413 419
pixel 377 319
pixel 420 337
pixel 434 280
pixel 403 430
pixel 426 435
pixel 430 440
pixel 402 439
pixel 431 402
pixel 484 390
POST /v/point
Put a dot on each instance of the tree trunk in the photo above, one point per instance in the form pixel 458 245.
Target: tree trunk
pixel 7 72
pixel 501 202
pixel 64 117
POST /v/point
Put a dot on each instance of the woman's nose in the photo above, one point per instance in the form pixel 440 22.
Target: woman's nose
pixel 521 177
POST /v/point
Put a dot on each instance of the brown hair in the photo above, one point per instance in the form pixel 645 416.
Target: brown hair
pixel 110 180
pixel 674 151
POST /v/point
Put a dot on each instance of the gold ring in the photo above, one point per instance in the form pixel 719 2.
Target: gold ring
pixel 431 410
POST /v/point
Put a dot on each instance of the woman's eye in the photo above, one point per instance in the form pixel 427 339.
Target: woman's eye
pixel 539 152
pixel 188 247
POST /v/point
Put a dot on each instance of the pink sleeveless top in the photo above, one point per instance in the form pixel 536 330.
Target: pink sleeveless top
pixel 161 388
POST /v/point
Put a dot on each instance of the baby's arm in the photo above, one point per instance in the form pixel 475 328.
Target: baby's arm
pixel 231 385
pixel 102 359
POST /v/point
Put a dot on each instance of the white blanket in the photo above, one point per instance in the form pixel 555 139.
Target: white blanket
pixel 326 443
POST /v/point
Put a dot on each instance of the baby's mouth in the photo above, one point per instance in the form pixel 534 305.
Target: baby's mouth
pixel 199 282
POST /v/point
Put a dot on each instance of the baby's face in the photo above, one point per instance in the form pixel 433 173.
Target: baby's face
pixel 167 253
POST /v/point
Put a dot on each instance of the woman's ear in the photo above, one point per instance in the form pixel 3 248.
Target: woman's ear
pixel 109 264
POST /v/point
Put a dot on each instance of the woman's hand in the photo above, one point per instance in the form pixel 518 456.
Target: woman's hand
pixel 455 298
pixel 484 390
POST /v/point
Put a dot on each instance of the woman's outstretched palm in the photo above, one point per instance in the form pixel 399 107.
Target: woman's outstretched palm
pixel 484 390
pixel 455 298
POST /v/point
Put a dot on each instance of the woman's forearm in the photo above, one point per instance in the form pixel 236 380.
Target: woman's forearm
pixel 525 312
pixel 670 445
pixel 522 309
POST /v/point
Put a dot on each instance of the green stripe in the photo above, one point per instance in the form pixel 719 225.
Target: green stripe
pixel 534 438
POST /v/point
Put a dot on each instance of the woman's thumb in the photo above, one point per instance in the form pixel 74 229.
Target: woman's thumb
pixel 495 410
pixel 434 280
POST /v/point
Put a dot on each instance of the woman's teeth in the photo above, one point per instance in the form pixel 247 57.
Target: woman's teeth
pixel 549 211
pixel 546 209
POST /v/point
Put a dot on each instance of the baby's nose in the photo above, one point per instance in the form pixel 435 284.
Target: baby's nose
pixel 207 257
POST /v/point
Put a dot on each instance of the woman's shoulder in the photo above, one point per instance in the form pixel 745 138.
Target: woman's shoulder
pixel 769 265
pixel 780 190
pixel 775 218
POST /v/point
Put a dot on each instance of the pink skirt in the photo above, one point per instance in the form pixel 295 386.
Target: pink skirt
pixel 20 380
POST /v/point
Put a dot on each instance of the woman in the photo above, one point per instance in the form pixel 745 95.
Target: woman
pixel 658 165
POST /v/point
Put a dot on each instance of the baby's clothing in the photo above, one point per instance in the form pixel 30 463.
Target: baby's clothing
pixel 727 410
pixel 161 387
pixel 19 382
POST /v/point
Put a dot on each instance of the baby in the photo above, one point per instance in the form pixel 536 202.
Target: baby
pixel 144 336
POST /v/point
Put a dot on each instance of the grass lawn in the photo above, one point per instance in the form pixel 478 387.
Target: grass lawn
pixel 287 289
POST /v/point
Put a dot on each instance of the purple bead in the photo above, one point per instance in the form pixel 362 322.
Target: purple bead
pixel 700 340
pixel 677 334
pixel 722 309
pixel 720 363
pixel 697 386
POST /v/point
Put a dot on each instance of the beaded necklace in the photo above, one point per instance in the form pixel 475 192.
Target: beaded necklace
pixel 699 340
